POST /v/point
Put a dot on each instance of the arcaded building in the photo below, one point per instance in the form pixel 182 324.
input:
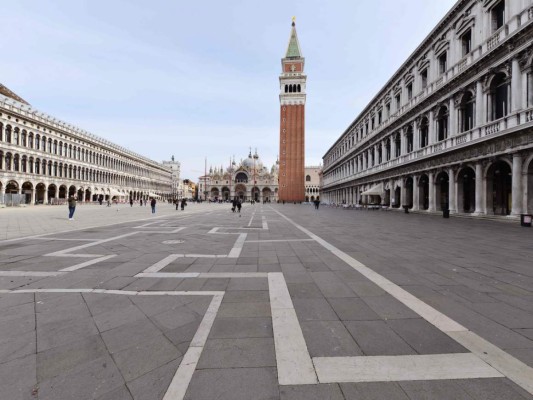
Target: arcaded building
pixel 43 160
pixel 292 122
pixel 312 182
pixel 453 127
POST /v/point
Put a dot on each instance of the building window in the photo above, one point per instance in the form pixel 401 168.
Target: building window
pixel 466 112
pixel 398 102
pixel 424 133
pixel 409 91
pixel 443 63
pixel 409 138
pixel 380 117
pixel 387 149
pixel 373 120
pixel 398 145
pixel 498 16
pixel 442 124
pixel 466 42
pixel 499 90
pixel 387 109
pixel 424 78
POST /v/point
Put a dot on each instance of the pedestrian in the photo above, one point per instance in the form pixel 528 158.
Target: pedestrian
pixel 152 204
pixel 131 202
pixel 234 204
pixel 141 202
pixel 239 205
pixel 183 204
pixel 177 202
pixel 317 204
pixel 71 207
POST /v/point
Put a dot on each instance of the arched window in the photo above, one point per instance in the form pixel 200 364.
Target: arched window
pixel 398 145
pixel 299 88
pixel 290 88
pixel 466 112
pixel 442 123
pixel 8 133
pixel 424 132
pixel 30 140
pixel 308 178
pixel 387 149
pixel 24 137
pixel 286 88
pixel 409 139
pixel 43 143
pixel 499 92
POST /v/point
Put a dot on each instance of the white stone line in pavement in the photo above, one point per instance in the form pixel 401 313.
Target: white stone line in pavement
pixel 118 292
pixel 292 357
pixel 64 252
pixel 31 273
pixel 158 266
pixel 87 263
pixel 402 368
pixel 235 252
pixel 265 224
pixel 69 240
pixel 279 240
pixel 160 229
pixel 251 219
pixel 202 275
pixel 509 366
pixel 181 380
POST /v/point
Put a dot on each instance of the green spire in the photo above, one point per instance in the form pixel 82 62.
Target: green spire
pixel 293 50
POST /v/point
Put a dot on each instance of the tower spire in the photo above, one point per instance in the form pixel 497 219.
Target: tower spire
pixel 293 48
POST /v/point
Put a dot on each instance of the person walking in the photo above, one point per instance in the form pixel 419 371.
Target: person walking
pixel 234 204
pixel 141 202
pixel 239 205
pixel 177 203
pixel 183 204
pixel 317 204
pixel 152 204
pixel 131 202
pixel 71 207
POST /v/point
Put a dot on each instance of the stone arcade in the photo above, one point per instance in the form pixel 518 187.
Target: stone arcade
pixel 453 127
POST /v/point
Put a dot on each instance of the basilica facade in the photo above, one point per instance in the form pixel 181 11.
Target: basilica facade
pixel 44 160
pixel 247 180
pixel 452 129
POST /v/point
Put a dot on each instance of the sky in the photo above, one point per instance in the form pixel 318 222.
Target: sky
pixel 199 79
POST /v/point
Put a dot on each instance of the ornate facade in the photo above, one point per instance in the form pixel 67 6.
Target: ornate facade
pixel 292 122
pixel 312 183
pixel 43 160
pixel 453 128
pixel 248 180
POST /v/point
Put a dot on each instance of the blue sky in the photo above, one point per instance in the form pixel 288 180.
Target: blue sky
pixel 199 79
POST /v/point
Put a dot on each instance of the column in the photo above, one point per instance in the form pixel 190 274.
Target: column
pixel 452 125
pixel 431 128
pixel 403 192
pixel 392 147
pixel 416 137
pixel 517 195
pixel 391 193
pixel 32 201
pixel 431 194
pixel 452 190
pixel 516 87
pixel 415 193
pixel 480 106
pixel 480 204
pixel 403 142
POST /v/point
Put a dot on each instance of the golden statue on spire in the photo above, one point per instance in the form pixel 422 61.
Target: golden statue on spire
pixel 293 19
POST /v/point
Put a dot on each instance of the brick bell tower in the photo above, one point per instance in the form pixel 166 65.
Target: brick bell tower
pixel 292 123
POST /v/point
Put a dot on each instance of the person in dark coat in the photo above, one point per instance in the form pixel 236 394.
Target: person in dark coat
pixel 239 205
pixel 234 204
pixel 152 204
pixel 183 204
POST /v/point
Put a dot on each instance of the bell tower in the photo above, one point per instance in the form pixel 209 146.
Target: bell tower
pixel 292 122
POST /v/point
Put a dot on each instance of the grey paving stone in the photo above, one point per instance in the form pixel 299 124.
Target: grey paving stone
pixel 425 338
pixel 129 335
pixel 52 334
pixel 239 310
pixel 17 378
pixel 85 381
pixel 352 309
pixel 61 359
pixel 16 326
pixel 10 300
pixel 373 391
pixel 112 319
pixel 376 338
pixel 248 284
pixel 241 328
pixel 100 303
pixel 429 390
pixel 298 277
pixel 145 357
pixel 387 307
pixel 17 346
pixel 234 384
pixel 331 285
pixel 239 296
pixel 505 314
pixel 121 393
pixel 238 353
pixel 175 318
pixel 154 384
pixel 493 389
pixel 314 310
pixel 311 392
pixel 304 291
pixel 329 339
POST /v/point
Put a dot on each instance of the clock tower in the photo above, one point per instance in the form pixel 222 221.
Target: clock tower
pixel 292 123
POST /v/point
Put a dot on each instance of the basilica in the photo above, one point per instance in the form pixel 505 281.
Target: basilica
pixel 247 180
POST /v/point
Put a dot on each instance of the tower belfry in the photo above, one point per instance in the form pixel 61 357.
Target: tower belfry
pixel 292 122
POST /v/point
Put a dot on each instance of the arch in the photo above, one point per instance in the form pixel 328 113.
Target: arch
pixel 214 194
pixel 308 178
pixel 466 190
pixel 499 98
pixel 466 111
pixel 299 88
pixel 40 193
pixel 256 194
pixel 528 175
pixel 423 192
pixel 424 132
pixel 441 118
pixel 442 191
pixel 27 191
pixel 267 195
pixel 52 194
pixel 499 187
pixel 290 88
pixel 62 192
pixel 286 88
pixel 225 193
pixel 12 187
pixel 240 191
pixel 409 184
pixel 87 194
pixel 241 177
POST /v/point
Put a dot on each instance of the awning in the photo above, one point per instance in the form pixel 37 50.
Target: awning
pixel 114 192
pixel 150 194
pixel 374 191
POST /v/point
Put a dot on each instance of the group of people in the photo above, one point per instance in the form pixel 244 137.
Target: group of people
pixel 236 205
pixel 72 205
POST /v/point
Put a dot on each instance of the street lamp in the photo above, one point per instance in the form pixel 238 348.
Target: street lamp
pixel 230 170
pixel 253 187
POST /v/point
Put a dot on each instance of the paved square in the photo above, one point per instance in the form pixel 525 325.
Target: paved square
pixel 283 302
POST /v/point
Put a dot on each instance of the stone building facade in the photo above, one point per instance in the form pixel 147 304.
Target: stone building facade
pixel 292 122
pixel 247 180
pixel 453 127
pixel 312 183
pixel 177 184
pixel 44 160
